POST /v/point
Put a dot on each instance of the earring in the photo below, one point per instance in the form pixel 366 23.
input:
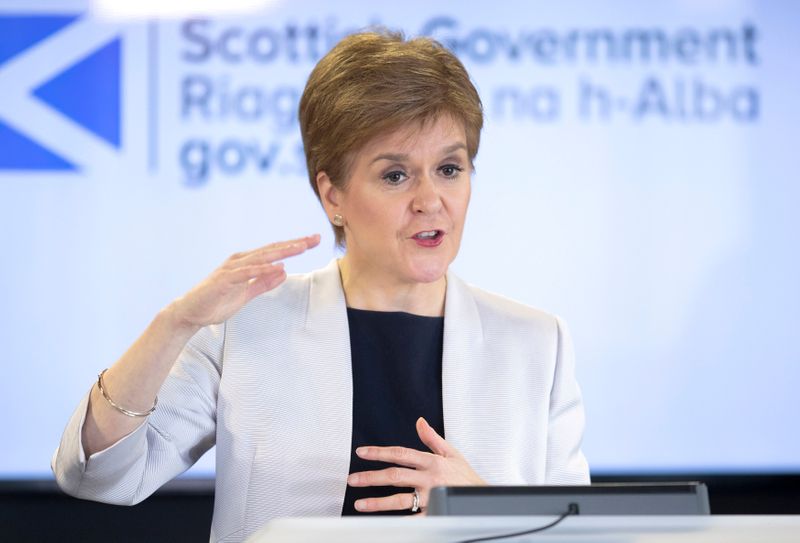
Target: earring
pixel 338 220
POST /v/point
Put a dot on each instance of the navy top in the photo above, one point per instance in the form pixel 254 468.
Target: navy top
pixel 397 378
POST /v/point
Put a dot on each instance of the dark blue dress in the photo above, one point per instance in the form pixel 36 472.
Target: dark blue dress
pixel 397 378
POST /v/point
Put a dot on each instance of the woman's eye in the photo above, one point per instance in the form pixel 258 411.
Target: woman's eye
pixel 450 170
pixel 395 177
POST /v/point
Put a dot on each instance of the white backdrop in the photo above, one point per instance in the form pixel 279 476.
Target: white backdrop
pixel 638 175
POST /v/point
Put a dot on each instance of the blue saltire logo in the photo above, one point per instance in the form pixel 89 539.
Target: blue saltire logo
pixel 87 92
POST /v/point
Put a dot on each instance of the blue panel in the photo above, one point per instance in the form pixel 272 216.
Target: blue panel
pixel 18 152
pixel 89 92
pixel 21 31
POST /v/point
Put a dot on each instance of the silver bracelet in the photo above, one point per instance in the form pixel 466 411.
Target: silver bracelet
pixel 120 408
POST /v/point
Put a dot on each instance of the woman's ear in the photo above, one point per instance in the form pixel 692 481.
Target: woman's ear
pixel 329 195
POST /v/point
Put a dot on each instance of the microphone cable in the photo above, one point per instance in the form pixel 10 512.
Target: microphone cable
pixel 572 510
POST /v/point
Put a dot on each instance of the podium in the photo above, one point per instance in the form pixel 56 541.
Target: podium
pixel 577 529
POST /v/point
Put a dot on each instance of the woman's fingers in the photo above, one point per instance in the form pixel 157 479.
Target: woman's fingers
pixel 395 502
pixel 393 476
pixel 247 273
pixel 308 241
pixel 432 440
pixel 267 255
pixel 275 251
pixel 402 456
pixel 265 282
pixel 312 240
pixel 445 466
pixel 246 266
pixel 238 280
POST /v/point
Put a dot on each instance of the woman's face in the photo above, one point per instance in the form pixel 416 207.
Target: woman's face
pixel 406 200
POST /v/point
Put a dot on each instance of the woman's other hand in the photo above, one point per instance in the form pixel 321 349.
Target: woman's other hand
pixel 242 277
pixel 443 466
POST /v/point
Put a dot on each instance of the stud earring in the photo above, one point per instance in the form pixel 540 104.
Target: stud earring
pixel 338 220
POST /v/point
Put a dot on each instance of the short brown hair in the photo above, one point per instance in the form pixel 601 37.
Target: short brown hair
pixel 372 82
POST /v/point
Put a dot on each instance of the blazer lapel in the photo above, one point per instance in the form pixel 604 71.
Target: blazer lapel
pixel 327 330
pixel 464 401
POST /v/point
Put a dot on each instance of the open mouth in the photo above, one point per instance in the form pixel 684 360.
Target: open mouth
pixel 429 235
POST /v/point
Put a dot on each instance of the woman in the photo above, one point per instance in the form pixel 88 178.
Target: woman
pixel 358 387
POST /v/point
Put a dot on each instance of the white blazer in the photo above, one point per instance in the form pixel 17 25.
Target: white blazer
pixel 272 388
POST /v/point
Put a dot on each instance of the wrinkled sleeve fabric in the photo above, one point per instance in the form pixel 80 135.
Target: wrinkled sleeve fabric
pixel 171 440
pixel 565 462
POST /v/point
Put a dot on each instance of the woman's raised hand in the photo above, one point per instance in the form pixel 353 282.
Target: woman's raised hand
pixel 136 378
pixel 242 277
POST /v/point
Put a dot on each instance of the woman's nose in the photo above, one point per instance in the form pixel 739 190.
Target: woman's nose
pixel 426 196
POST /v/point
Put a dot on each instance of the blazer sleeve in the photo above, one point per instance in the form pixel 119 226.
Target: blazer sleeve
pixel 174 437
pixel 565 462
